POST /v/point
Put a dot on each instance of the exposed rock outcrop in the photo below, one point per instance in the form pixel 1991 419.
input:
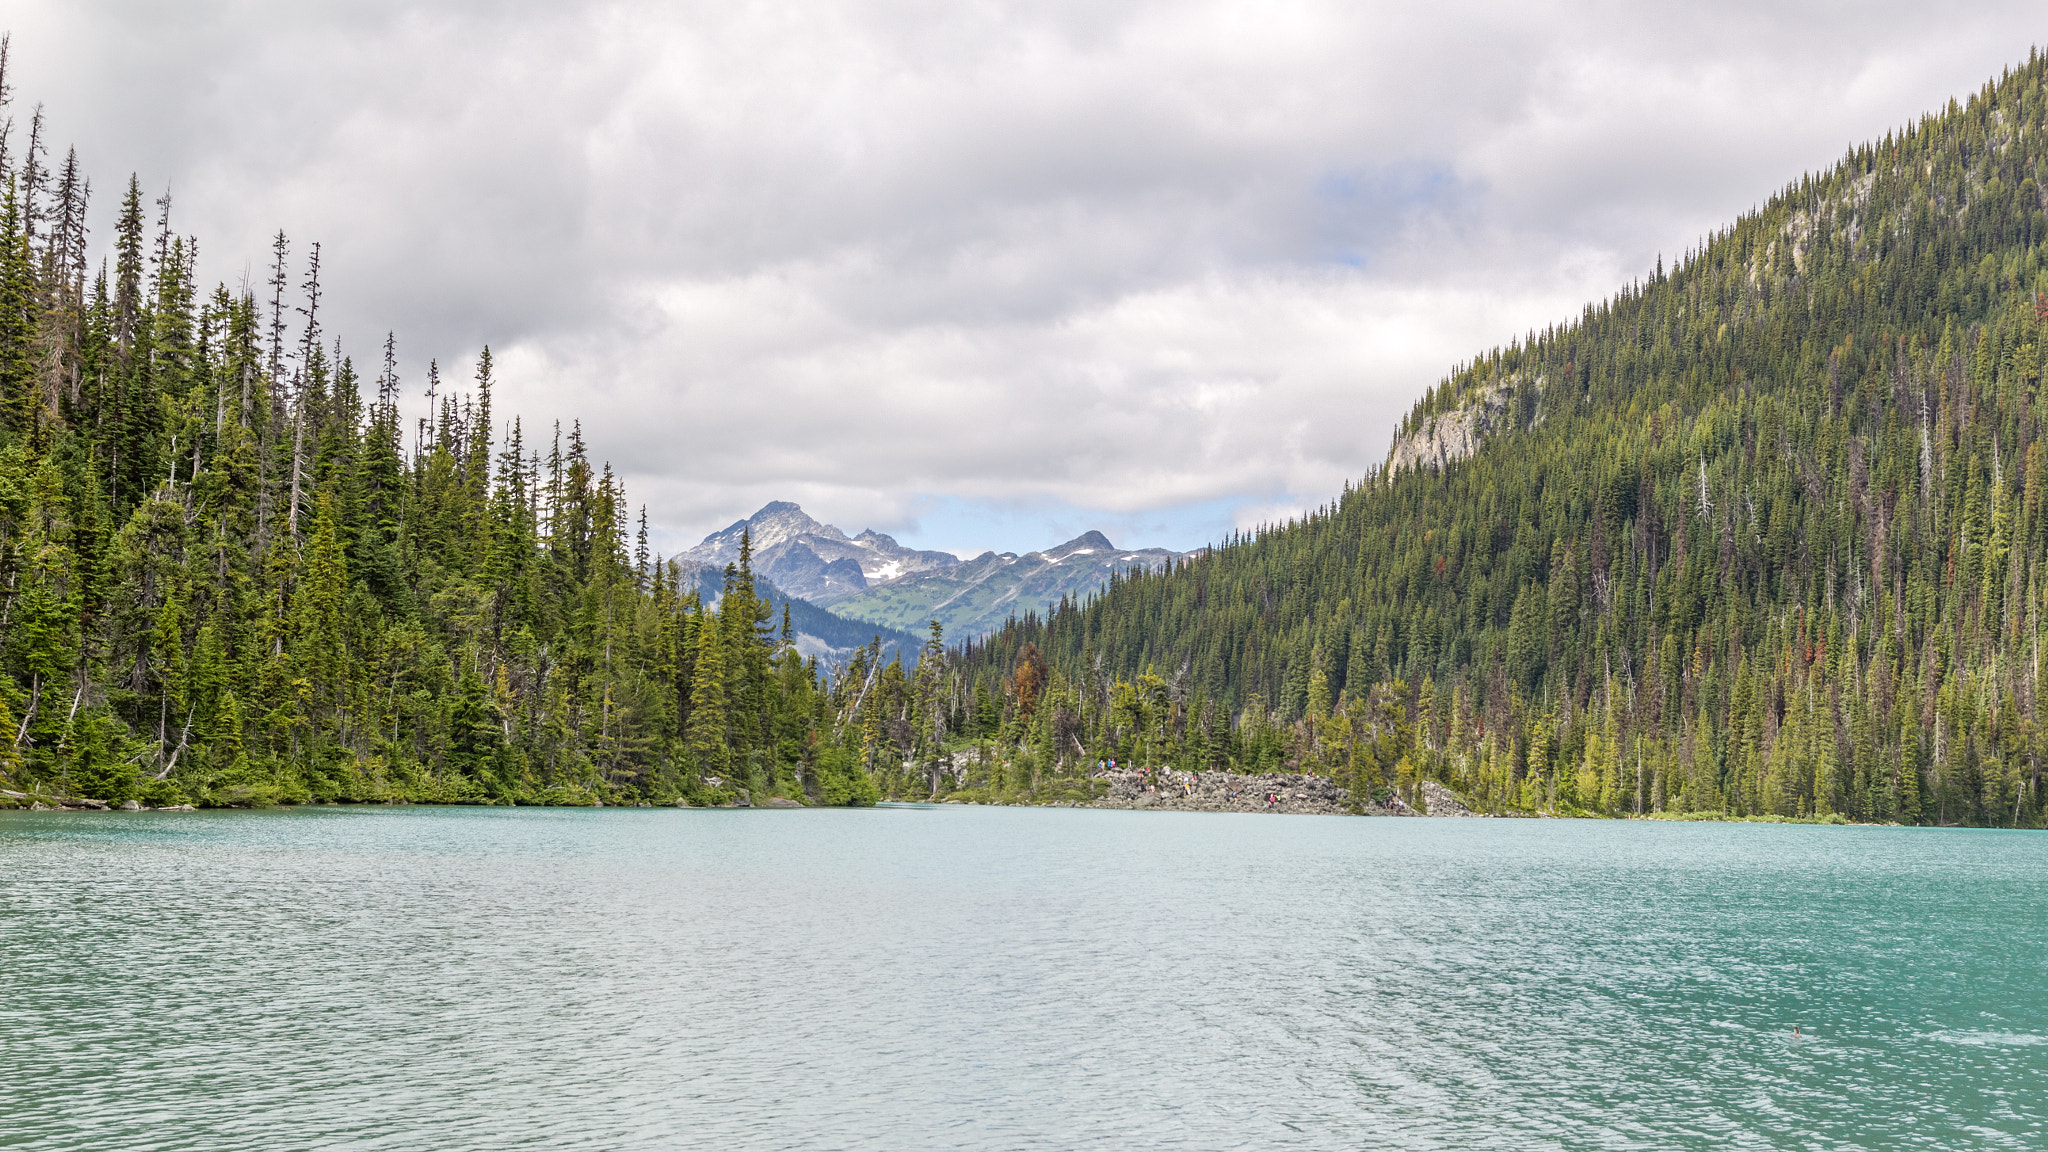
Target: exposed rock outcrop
pixel 1481 412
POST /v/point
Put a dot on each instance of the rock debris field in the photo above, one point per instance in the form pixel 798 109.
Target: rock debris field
pixel 1228 792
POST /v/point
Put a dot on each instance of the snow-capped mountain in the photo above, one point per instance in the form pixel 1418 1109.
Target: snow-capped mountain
pixel 812 560
pixel 872 579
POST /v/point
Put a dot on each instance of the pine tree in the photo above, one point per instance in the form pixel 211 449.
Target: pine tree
pixel 709 747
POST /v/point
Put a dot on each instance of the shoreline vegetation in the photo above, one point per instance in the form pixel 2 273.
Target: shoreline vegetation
pixel 1214 792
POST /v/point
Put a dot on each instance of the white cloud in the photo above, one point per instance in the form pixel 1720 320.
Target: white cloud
pixel 1141 262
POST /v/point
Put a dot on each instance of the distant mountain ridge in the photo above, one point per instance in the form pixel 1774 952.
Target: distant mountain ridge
pixel 976 597
pixel 873 581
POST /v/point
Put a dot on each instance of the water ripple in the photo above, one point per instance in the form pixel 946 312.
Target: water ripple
pixel 1004 979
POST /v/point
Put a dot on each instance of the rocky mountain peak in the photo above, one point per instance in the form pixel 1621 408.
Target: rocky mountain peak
pixel 814 560
pixel 1086 543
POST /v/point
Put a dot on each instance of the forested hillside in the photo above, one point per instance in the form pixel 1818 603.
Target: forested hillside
pixel 231 574
pixel 1762 534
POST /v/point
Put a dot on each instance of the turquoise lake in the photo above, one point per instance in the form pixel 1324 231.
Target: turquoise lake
pixel 950 977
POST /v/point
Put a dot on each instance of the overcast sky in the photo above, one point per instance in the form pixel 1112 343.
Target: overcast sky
pixel 980 274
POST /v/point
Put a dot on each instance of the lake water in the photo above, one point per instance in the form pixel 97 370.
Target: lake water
pixel 915 978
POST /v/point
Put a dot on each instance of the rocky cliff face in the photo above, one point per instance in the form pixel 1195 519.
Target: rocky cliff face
pixel 1509 402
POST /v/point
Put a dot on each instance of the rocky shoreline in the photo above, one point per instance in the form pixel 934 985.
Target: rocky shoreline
pixel 1164 791
pixel 1288 795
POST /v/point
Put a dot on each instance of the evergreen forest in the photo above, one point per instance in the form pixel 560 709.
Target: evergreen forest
pixel 230 574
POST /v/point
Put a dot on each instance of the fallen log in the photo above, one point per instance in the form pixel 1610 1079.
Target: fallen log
pixel 61 801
